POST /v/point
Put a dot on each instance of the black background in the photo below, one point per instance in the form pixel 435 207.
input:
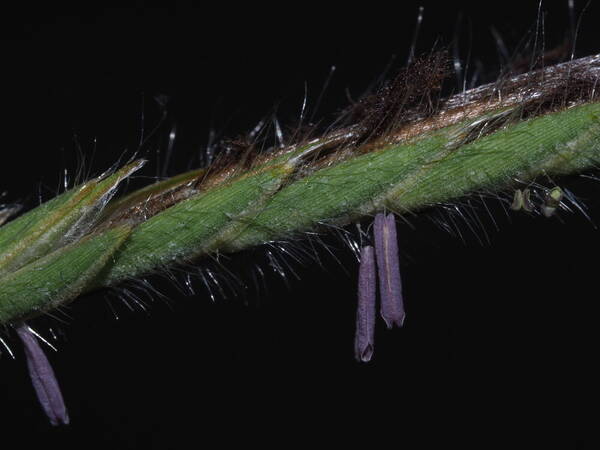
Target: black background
pixel 499 333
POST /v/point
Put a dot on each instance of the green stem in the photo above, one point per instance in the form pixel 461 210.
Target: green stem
pixel 280 198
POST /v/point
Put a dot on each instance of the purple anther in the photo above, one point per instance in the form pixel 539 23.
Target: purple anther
pixel 388 266
pixel 364 339
pixel 43 378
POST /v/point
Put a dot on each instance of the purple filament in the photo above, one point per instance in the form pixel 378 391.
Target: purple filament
pixel 388 265
pixel 43 378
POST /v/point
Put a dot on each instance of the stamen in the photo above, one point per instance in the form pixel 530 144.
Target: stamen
pixel 364 339
pixel 43 378
pixel 552 201
pixel 388 266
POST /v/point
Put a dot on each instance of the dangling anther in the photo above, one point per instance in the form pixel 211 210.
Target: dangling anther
pixel 364 339
pixel 388 267
pixel 43 378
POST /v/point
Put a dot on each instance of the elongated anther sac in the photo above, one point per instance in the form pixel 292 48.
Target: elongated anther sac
pixel 388 267
pixel 364 339
pixel 43 378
